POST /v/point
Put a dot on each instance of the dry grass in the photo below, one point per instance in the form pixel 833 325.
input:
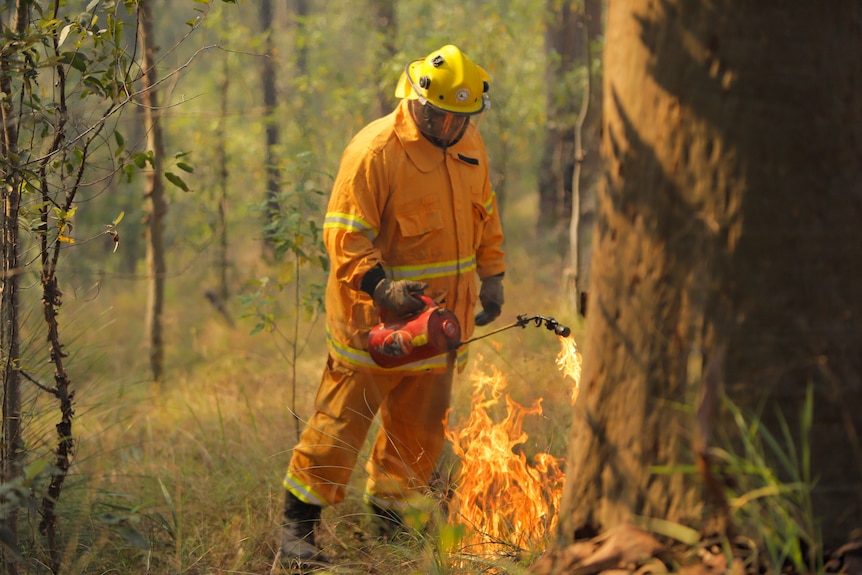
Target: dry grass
pixel 193 467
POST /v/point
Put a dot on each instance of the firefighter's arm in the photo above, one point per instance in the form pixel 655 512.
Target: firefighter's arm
pixel 353 220
pixel 490 264
pixel 490 260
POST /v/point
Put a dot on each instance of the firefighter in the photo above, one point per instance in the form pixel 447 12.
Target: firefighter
pixel 411 213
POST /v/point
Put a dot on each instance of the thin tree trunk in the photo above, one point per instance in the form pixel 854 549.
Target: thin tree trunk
pixel 270 101
pixel 12 442
pixel 575 244
pixel 155 204
pixel 301 71
pixel 557 163
pixel 386 29
pixel 222 159
pixel 51 302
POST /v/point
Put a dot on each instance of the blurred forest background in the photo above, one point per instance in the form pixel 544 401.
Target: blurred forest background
pixel 169 163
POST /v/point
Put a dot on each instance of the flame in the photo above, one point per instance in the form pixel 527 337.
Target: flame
pixel 505 500
pixel 569 362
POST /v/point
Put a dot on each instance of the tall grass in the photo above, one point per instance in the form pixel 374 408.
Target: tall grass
pixel 770 488
pixel 186 477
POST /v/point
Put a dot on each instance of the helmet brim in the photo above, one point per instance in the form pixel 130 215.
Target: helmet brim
pixel 404 89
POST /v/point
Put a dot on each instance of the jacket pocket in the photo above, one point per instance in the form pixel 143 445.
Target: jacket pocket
pixel 418 223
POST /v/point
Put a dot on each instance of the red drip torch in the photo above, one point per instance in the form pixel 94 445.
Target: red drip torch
pixel 432 332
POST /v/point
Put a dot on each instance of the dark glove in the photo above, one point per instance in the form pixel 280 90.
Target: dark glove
pixel 491 298
pixel 397 297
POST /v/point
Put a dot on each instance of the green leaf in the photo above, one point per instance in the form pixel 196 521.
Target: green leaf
pixel 109 518
pixel 75 59
pixel 140 159
pixel 35 469
pixel 95 86
pixel 659 526
pixel 185 167
pixel 133 536
pixel 165 493
pixel 451 537
pixel 177 181
pixel 119 218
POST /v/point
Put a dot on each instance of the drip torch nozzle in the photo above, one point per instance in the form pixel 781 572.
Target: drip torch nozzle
pixel 562 331
pixel 550 323
pixel 557 327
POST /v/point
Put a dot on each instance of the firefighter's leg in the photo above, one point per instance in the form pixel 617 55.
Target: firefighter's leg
pixel 409 442
pixel 334 434
pixel 324 457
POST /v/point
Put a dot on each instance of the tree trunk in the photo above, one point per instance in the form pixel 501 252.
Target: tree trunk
pixel 727 241
pixel 573 273
pixel 386 28
pixel 10 339
pixel 270 100
pixel 587 167
pixel 555 173
pixel 569 32
pixel 155 205
pixel 222 158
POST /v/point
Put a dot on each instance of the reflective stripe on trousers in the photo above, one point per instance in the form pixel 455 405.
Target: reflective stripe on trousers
pixel 410 439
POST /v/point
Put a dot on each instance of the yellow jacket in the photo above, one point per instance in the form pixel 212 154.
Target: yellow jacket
pixel 424 213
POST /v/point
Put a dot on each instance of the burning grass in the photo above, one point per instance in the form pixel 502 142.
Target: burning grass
pixel 508 502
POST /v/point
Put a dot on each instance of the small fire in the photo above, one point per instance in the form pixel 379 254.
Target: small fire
pixel 504 500
pixel 569 362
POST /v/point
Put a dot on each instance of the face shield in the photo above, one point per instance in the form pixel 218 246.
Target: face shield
pixel 442 128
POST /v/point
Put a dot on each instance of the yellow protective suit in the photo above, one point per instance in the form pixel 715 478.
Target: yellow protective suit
pixel 425 214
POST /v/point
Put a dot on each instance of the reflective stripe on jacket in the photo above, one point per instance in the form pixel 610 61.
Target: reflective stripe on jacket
pixel 424 213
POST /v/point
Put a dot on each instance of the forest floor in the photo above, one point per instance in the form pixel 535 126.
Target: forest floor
pixel 628 550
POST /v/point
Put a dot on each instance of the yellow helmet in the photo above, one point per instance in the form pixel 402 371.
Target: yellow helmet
pixel 447 79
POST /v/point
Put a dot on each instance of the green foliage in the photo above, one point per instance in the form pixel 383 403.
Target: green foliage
pixel 296 235
pixel 768 487
pixel 18 493
pixel 770 491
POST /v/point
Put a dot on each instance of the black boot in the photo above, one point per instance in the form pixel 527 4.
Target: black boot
pixel 297 531
pixel 385 523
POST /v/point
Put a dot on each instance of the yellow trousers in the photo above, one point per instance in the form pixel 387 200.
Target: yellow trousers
pixel 410 439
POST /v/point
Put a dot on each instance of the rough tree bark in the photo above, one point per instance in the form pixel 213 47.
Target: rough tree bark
pixel 727 241
pixel 156 206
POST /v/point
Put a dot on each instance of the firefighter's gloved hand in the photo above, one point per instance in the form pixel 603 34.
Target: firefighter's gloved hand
pixel 399 297
pixel 491 298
